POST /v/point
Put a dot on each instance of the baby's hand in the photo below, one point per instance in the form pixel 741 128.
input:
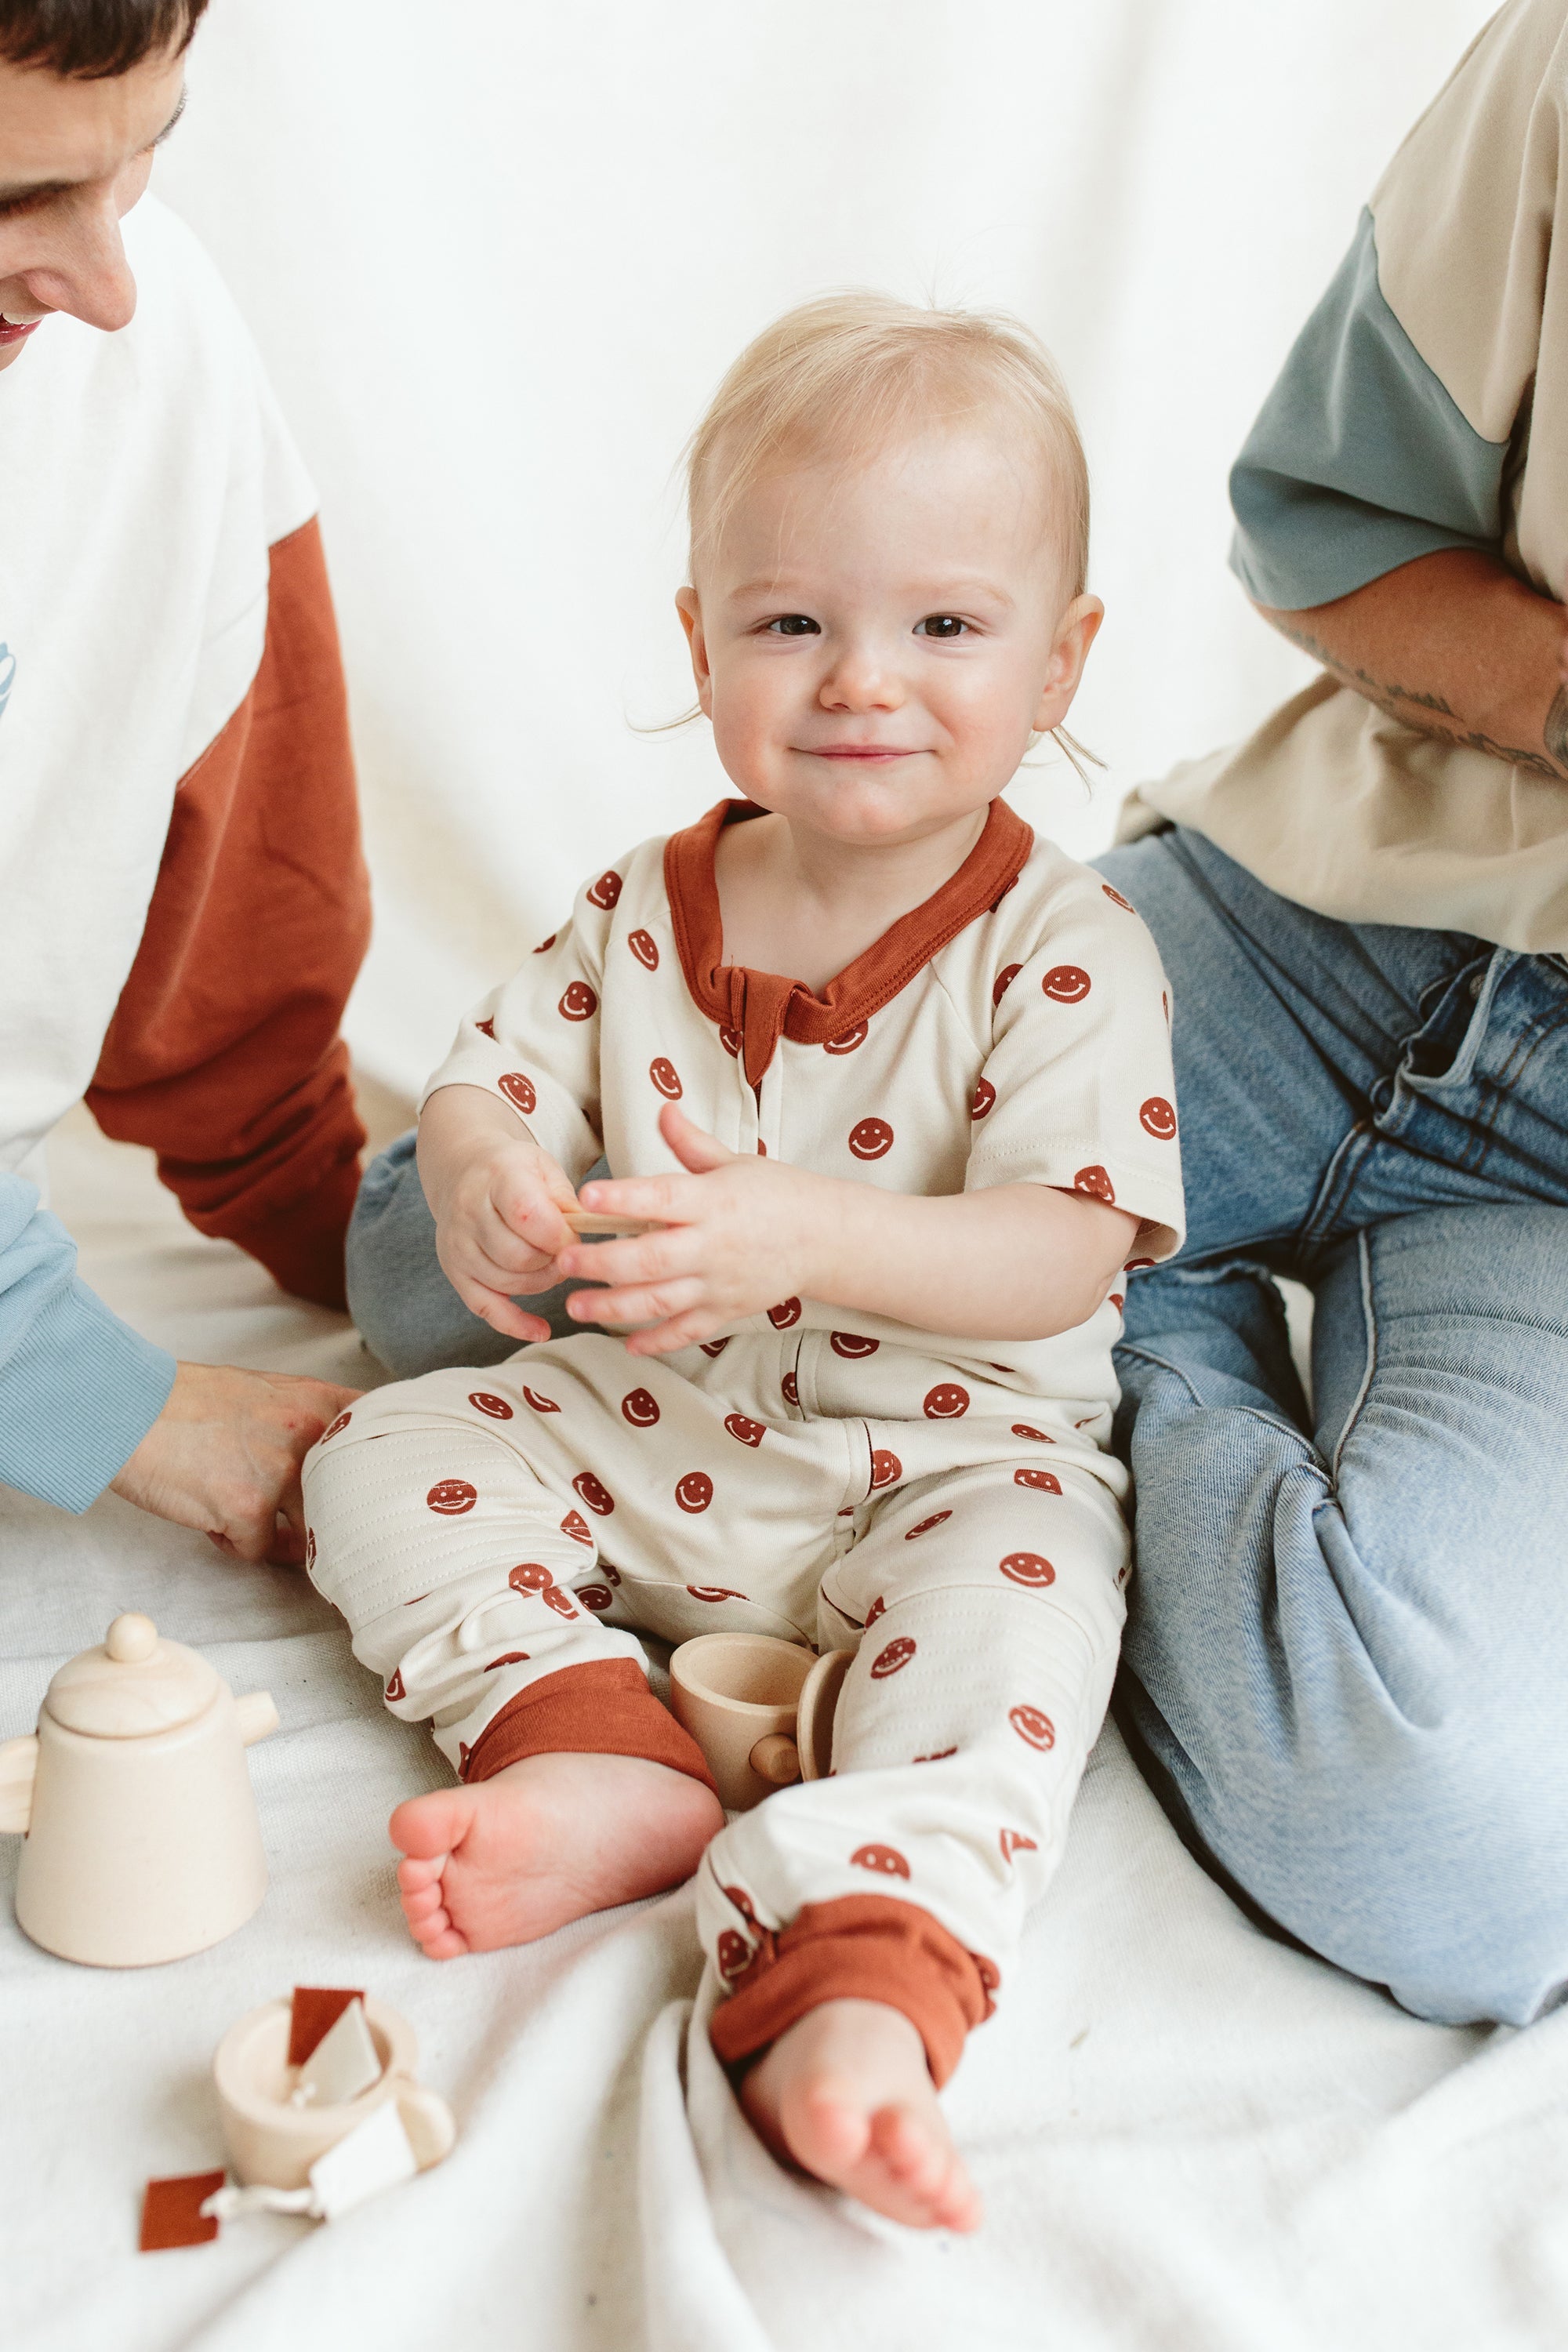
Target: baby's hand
pixel 739 1236
pixel 498 1203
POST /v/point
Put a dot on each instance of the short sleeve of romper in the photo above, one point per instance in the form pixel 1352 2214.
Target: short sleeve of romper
pixel 1077 1089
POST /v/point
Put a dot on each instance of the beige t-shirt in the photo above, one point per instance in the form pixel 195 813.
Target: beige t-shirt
pixel 1426 405
pixel 1015 1028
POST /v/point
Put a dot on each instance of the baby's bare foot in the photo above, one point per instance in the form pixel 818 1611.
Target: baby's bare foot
pixel 546 1841
pixel 847 2092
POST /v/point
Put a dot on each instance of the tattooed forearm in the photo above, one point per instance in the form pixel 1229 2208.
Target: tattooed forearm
pixel 1429 714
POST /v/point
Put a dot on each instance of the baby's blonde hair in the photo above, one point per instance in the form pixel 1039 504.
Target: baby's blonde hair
pixel 851 371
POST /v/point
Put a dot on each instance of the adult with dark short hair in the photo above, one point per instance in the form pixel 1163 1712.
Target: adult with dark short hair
pixel 183 901
pixel 1347 1642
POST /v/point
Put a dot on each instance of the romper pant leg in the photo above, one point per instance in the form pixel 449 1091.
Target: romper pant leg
pixel 455 1562
pixel 991 1603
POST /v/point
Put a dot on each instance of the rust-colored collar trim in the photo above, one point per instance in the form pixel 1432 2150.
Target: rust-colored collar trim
pixel 753 1009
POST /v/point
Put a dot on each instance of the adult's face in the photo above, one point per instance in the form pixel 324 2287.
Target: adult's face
pixel 74 157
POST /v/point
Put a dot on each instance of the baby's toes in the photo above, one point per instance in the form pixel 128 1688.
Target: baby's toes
pixel 417 1871
pixel 422 1902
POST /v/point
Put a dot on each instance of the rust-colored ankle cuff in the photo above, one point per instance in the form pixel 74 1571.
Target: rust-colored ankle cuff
pixel 859 1947
pixel 603 1708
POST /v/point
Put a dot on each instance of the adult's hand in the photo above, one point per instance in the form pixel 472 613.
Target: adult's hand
pixel 223 1457
pixel 1454 645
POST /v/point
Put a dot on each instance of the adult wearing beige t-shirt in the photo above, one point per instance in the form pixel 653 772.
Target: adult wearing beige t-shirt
pixel 1348 1654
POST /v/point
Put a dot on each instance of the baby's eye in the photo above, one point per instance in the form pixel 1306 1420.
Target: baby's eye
pixel 795 624
pixel 942 624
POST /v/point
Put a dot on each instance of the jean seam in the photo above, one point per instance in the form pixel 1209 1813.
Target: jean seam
pixel 1249 1412
pixel 1369 1321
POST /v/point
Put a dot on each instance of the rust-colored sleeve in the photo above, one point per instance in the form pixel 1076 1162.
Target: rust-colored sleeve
pixel 224 1053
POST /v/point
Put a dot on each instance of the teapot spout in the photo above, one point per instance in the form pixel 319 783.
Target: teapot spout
pixel 258 1717
pixel 18 1763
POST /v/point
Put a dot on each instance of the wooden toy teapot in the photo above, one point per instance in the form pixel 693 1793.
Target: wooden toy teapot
pixel 143 1843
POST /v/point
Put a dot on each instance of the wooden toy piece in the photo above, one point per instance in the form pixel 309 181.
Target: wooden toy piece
pixel 142 1841
pixel 813 1717
pixel 172 2212
pixel 273 2142
pixel 343 2063
pixel 592 1221
pixel 312 2012
pixel 737 1695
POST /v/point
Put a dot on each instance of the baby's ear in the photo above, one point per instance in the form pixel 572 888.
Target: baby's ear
pixel 1075 632
pixel 688 605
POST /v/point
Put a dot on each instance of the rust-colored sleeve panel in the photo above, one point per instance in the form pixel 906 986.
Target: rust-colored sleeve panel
pixel 601 1708
pixel 858 1947
pixel 224 1053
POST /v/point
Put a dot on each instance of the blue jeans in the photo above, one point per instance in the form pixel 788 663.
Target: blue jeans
pixel 1346 1665
pixel 1347 1654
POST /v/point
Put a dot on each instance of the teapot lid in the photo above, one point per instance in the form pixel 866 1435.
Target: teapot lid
pixel 131 1685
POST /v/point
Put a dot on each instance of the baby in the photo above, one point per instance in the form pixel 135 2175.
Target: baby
pixel 893 1077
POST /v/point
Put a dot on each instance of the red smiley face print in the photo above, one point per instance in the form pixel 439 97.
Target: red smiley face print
pixel 1004 981
pixel 645 946
pixel 452 1497
pixel 576 1526
pixel 1022 1429
pixel 984 1098
pixel 512 1658
pixel 1066 983
pixel 934 1756
pixel 849 1041
pixel 886 1468
pixel 1032 1727
pixel 714 1347
pixel 742 1902
pixel 494 1407
pixel 1044 1481
pixel 926 1526
pixel 731 1041
pixel 544 945
pixel 851 1344
pixel 879 1609
pixel 1158 1117
pixel 640 1407
pixel 872 1138
pixel 734 1952
pixel 886 1859
pixel 1028 1568
pixel 488 1028
pixel 341 1423
pixel 595 1493
pixel 1117 1300
pixel 396 1688
pixel 695 1491
pixel 946 1401
pixel 665 1077
pixel 578 1003
pixel 750 1433
pixel 1014 1842
pixel 562 1603
pixel 539 1404
pixel 786 1312
pixel 893 1659
pixel 713 1592
pixel 789 1389
pixel 520 1092
pixel 597 1597
pixel 1096 1184
pixel 530 1576
pixel 607 891
pixel 1116 898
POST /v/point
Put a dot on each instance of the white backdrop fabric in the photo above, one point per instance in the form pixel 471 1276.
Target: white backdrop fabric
pixel 1189 2137
pixel 497 254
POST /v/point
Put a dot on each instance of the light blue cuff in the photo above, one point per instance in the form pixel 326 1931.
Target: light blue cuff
pixel 78 1388
pixel 1360 461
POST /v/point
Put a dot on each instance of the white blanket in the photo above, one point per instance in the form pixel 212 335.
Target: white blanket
pixel 1189 2137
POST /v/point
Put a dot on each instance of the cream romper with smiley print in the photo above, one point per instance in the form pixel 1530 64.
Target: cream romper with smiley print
pixel 944 1508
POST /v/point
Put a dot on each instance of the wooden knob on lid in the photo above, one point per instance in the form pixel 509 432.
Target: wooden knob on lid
pixel 132 1639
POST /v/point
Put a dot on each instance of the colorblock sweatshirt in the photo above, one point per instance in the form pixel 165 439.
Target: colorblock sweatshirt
pixel 1424 406
pixel 182 901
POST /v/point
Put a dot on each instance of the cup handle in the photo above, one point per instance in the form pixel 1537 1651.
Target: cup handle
pixel 429 2123
pixel 777 1758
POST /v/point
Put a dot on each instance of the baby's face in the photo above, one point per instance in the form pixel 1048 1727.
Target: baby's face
pixel 875 641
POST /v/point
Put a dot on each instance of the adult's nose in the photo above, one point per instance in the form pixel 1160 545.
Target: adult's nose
pixel 85 271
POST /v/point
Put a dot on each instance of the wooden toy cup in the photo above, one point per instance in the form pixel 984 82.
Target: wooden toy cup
pixel 760 1709
pixel 272 2142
